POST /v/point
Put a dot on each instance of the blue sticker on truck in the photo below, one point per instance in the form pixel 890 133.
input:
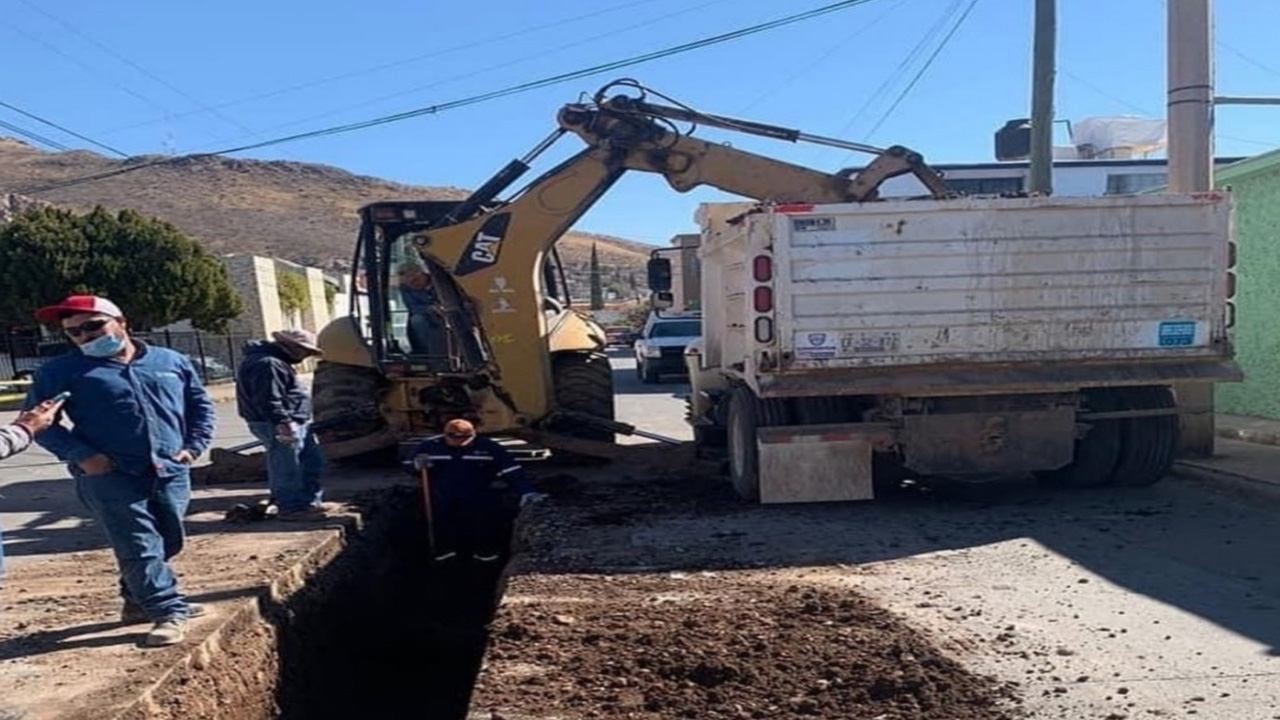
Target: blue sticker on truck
pixel 1177 333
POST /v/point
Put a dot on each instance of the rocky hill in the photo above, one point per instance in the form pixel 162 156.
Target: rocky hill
pixel 301 212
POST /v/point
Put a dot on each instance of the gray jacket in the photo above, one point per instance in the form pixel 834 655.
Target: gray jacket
pixel 13 440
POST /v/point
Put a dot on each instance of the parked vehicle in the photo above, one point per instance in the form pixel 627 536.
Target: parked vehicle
pixel 660 348
pixel 620 336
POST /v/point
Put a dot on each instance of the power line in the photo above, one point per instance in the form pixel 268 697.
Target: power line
pixel 72 133
pixel 490 68
pixel 109 51
pixel 1240 54
pixel 915 52
pixel 33 136
pixel 927 64
pixel 806 68
pixel 396 63
pixel 483 97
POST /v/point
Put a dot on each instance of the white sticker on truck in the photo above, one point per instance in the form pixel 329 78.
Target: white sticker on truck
pixel 815 345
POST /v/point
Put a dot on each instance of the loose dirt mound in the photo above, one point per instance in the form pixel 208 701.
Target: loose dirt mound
pixel 716 645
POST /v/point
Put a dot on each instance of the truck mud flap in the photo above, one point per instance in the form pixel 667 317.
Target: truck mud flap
pixel 815 463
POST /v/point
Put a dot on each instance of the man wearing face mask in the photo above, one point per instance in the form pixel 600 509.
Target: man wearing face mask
pixel 141 416
pixel 277 409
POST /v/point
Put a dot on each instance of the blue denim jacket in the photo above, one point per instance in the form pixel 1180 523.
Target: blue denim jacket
pixel 139 414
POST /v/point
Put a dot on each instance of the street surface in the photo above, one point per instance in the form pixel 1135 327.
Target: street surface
pixel 1159 602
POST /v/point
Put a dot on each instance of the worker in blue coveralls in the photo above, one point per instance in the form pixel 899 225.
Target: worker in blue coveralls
pixel 473 488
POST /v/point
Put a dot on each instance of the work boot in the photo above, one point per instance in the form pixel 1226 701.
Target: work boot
pixel 486 557
pixel 169 631
pixel 133 614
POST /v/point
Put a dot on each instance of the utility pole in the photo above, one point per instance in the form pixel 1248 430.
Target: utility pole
pixel 1190 129
pixel 1044 52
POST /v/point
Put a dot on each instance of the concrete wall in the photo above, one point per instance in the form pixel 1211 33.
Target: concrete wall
pixel 254 278
pixel 1257 329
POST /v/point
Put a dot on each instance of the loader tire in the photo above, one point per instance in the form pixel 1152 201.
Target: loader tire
pixel 584 383
pixel 336 389
pixel 1149 445
pixel 1097 453
pixel 747 413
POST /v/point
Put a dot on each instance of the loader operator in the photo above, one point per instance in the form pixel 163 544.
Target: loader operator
pixel 425 328
pixel 473 489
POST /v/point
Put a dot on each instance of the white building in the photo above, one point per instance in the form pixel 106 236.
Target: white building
pixel 1070 177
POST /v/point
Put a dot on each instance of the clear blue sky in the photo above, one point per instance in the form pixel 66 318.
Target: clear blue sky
pixel 147 76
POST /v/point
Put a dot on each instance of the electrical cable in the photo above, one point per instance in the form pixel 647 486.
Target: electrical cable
pixel 482 97
pixel 916 51
pixel 73 133
pixel 393 64
pixel 808 67
pixel 481 71
pixel 920 73
pixel 33 136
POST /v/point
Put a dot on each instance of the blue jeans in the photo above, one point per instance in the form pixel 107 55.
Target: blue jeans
pixel 293 471
pixel 142 518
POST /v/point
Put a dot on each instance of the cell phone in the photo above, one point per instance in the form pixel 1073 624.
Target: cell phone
pixel 62 396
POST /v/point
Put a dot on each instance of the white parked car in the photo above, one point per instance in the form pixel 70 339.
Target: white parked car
pixel 660 348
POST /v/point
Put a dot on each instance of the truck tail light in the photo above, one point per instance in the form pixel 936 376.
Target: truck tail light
pixel 762 268
pixel 764 330
pixel 762 299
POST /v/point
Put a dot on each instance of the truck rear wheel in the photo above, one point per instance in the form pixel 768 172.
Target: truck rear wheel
pixel 1148 445
pixel 746 414
pixel 337 389
pixel 1097 453
pixel 584 383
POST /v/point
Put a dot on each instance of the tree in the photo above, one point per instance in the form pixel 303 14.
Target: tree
pixel 154 272
pixel 597 290
pixel 293 292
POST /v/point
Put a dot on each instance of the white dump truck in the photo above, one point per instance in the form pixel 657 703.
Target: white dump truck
pixel 967 338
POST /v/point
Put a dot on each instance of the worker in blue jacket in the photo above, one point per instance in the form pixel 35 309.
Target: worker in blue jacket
pixel 473 488
pixel 141 417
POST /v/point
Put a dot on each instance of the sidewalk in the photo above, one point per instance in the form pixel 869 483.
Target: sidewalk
pixel 1247 457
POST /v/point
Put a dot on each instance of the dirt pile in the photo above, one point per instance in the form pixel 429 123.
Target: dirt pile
pixel 716 645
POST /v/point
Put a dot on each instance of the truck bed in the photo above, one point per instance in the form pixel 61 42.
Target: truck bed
pixel 1000 280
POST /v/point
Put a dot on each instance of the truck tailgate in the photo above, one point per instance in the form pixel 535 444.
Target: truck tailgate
pixel 982 280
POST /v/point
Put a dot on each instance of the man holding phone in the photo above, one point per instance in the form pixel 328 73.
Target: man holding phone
pixel 17 436
pixel 141 416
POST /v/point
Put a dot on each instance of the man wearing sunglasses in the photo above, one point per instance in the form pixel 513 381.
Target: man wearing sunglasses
pixel 472 487
pixel 141 416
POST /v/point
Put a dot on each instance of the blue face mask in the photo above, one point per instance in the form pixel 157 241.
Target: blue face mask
pixel 107 346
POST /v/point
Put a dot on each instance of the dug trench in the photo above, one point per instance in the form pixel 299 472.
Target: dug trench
pixel 585 627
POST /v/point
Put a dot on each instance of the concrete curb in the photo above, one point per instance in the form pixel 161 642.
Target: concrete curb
pixel 202 650
pixel 1229 483
pixel 1258 437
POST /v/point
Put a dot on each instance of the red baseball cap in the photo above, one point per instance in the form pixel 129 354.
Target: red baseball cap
pixel 76 304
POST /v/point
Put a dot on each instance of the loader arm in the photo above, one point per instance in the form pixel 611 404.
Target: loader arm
pixel 495 250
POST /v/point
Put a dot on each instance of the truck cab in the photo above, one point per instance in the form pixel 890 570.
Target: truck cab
pixel 660 348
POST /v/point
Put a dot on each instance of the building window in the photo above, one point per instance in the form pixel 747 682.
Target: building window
pixel 985 186
pixel 1133 183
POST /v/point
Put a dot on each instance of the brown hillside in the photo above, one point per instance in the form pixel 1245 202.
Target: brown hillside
pixel 297 211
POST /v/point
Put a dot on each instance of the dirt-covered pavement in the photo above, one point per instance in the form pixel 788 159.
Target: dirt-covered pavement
pixel 644 598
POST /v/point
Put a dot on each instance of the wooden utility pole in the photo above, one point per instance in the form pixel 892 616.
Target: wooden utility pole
pixel 1043 69
pixel 1190 130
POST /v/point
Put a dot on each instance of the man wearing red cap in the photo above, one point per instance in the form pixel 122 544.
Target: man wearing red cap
pixel 141 416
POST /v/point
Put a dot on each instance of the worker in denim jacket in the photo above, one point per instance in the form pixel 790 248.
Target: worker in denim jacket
pixel 141 417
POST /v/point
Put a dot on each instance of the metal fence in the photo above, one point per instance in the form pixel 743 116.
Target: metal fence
pixel 214 356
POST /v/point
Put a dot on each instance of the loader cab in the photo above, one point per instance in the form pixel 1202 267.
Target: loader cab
pixel 411 313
